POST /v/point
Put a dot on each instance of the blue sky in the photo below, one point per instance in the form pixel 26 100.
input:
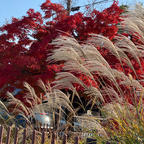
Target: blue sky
pixel 18 8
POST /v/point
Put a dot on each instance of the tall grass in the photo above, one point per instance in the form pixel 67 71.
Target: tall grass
pixel 124 109
pixel 55 103
pixel 117 93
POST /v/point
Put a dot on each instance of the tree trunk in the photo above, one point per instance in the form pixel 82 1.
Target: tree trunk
pixel 69 6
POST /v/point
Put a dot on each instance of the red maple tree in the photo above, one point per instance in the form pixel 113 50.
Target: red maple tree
pixel 25 43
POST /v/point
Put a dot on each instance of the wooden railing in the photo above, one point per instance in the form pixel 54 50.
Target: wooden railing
pixel 6 134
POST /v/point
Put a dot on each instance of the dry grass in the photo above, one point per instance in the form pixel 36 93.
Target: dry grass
pixel 125 121
pixel 86 59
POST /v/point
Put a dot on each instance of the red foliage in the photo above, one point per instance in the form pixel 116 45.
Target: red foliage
pixel 24 44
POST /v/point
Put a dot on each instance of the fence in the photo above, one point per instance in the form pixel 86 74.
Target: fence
pixel 44 133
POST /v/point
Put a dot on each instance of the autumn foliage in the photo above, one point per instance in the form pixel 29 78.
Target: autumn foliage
pixel 25 44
